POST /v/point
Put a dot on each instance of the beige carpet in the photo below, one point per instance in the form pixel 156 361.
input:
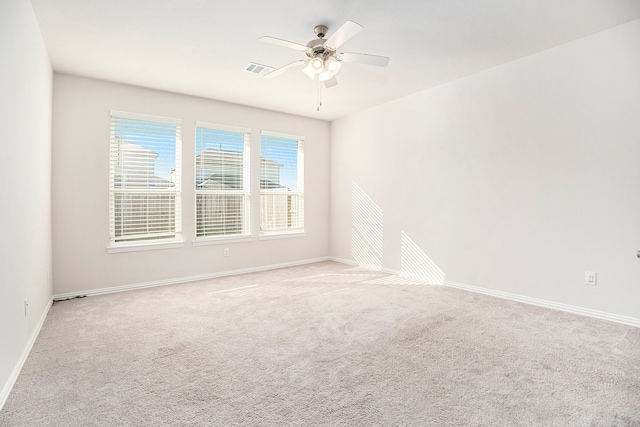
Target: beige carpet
pixel 323 345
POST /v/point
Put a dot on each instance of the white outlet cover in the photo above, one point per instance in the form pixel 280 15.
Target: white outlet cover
pixel 590 278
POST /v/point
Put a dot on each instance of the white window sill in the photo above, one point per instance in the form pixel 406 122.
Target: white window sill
pixel 144 247
pixel 222 240
pixel 282 235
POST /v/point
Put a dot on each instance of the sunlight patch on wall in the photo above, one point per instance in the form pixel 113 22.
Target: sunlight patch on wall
pixel 366 229
pixel 415 264
pixel 362 253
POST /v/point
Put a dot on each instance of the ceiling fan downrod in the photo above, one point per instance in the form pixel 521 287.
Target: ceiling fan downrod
pixel 320 30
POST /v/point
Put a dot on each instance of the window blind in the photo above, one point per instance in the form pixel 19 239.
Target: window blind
pixel 144 178
pixel 222 181
pixel 281 183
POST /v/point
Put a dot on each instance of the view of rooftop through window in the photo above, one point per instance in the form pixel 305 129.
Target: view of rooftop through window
pixel 220 158
pixel 284 153
pixel 279 159
pixel 158 139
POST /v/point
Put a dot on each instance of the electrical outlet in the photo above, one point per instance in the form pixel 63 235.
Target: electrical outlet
pixel 590 278
pixel 26 307
pixel 226 252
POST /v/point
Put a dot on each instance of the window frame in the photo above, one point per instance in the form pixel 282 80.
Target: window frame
pixel 132 242
pixel 298 231
pixel 245 234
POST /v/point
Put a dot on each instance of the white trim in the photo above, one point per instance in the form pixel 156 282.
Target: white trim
pixel 631 321
pixel 144 247
pixel 626 320
pixel 145 117
pixel 282 135
pixel 175 281
pixel 228 128
pixel 281 235
pixel 4 395
pixel 221 240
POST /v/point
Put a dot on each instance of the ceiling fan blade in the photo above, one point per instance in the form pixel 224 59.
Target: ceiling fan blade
pixel 284 68
pixel 344 33
pixel 331 82
pixel 363 58
pixel 285 43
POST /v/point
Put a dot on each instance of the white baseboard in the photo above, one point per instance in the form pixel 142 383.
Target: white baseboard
pixel 175 281
pixel 626 320
pixel 631 321
pixel 6 390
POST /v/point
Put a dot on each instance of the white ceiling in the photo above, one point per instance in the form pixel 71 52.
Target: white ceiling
pixel 201 47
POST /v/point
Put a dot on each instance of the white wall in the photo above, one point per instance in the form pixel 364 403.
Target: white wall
pixel 80 188
pixel 517 179
pixel 25 189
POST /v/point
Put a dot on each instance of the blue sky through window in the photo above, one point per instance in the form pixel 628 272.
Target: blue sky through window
pixel 218 140
pixel 159 138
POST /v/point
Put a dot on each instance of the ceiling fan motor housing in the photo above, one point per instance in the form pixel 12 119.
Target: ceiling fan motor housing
pixel 316 44
pixel 318 48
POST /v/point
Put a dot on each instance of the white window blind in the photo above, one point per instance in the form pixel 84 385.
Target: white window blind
pixel 222 181
pixel 144 178
pixel 281 183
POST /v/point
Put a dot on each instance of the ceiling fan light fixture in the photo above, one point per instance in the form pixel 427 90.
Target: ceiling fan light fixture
pixel 308 70
pixel 331 68
pixel 332 65
pixel 324 76
pixel 317 65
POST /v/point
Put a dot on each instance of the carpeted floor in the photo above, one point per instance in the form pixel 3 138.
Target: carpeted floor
pixel 323 345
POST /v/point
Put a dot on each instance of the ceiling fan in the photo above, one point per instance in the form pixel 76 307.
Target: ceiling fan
pixel 323 59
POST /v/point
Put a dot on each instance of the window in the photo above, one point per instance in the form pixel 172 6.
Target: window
pixel 144 179
pixel 281 183
pixel 222 181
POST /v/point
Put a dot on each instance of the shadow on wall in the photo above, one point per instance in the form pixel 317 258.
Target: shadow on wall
pixel 367 242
